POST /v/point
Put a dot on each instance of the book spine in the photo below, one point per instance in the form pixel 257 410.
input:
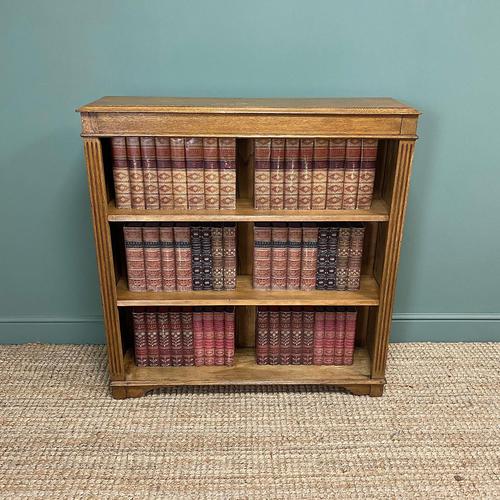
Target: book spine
pixel 331 269
pixel 305 173
pixel 319 336
pixel 309 256
pixel 152 337
pixel 218 257
pixel 350 335
pixel 164 344
pixel 167 257
pixel 227 172
pixel 338 355
pixel 355 256
pixel 164 169
pixel 135 172
pixel 291 192
pixel 229 333
pixel 176 336
pixel 187 337
pixel 206 257
pixel 195 173
pixel 134 253
pixel 140 341
pixel 343 245
pixel 262 336
pixel 367 173
pixel 351 174
pixel 120 172
pixel 322 261
pixel 229 244
pixel 336 170
pixel 329 336
pixel 148 153
pixel 274 335
pixel 209 337
pixel 196 258
pixel 285 336
pixel 179 174
pixel 152 257
pixel 277 173
pixel 211 173
pixel 262 256
pixel 219 331
pixel 262 174
pixel 199 349
pixel 279 237
pixel 184 274
pixel 320 174
pixel 294 256
pixel 308 336
pixel 296 336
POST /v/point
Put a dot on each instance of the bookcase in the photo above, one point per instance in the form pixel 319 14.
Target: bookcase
pixel 393 123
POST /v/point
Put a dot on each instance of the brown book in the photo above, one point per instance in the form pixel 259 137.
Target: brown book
pixel 120 172
pixel 329 337
pixel 217 256
pixel 227 173
pixel 305 173
pixel 340 317
pixel 285 336
pixel 336 169
pixel 176 335
pixel 211 173
pixel 182 247
pixel 343 244
pixel 209 336
pixel 294 256
pixel 319 336
pixel 277 173
pixel 152 337
pixel 309 256
pixel 262 256
pixel 195 173
pixel 262 174
pixel 135 172
pixel 367 173
pixel 134 253
pixel 274 335
pixel 152 256
pixel 291 189
pixel 199 347
pixel 320 173
pixel 140 341
pixel 151 192
pixel 164 170
pixel 351 174
pixel 167 251
pixel 307 335
pixel 229 332
pixel 262 336
pixel 179 174
pixel 164 343
pixel 296 338
pixel 355 256
pixel 229 243
pixel 279 238
pixel 187 337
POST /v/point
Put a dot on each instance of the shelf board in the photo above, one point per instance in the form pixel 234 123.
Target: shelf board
pixel 378 212
pixel 246 295
pixel 246 371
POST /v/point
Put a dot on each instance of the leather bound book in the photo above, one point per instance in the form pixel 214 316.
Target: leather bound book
pixel 294 256
pixel 211 173
pixel 227 172
pixel 176 335
pixel 336 169
pixel 134 253
pixel 152 337
pixel 140 341
pixel 164 343
pixel 229 336
pixel 285 336
pixel 274 335
pixel 279 236
pixel 219 329
pixel 167 257
pixel 309 256
pixel 135 173
pixel 199 346
pixel 209 337
pixel 308 335
pixel 182 239
pixel 262 256
pixel 206 257
pixel 338 355
pixel 277 173
pixel 291 190
pixel 319 336
pixel 120 172
pixel 187 337
pixel 262 174
pixel 229 243
pixel 350 335
pixel 305 173
pixel 355 256
pixel 331 268
pixel 351 174
pixel 164 172
pixel 217 256
pixel 343 245
pixel 152 256
pixel 179 174
pixel 367 173
pixel 296 337
pixel 322 261
pixel 329 336
pixel 262 336
pixel 150 173
pixel 320 174
pixel 195 173
pixel 196 258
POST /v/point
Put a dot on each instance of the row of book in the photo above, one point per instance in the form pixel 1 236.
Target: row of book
pixel 314 173
pixel 181 256
pixel 305 335
pixel 174 172
pixel 307 256
pixel 183 336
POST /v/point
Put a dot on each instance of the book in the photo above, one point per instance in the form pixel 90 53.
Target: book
pixel 351 174
pixel 187 337
pixel 296 336
pixel 338 356
pixel 176 336
pixel 120 172
pixel 211 173
pixel 285 353
pixel 336 169
pixel 322 260
pixel 150 173
pixel 217 257
pixel 164 345
pixel 262 256
pixel 135 172
pixel 331 268
pixel 343 244
pixel 319 174
pixel 134 253
pixel 195 174
pixel 152 257
pixel 305 173
pixel 319 336
pixel 350 335
pixel 182 247
pixel 167 252
pixel 274 335
pixel 307 335
pixel 279 238
pixel 355 256
pixel 367 173
pixel 229 334
pixel 262 336
pixel 291 189
pixel 229 244
pixel 164 173
pixel 140 341
pixel 196 257
pixel 262 174
pixel 198 341
pixel 294 256
pixel 152 337
pixel 329 336
pixel 179 174
pixel 309 256
pixel 206 257
pixel 227 173
pixel 209 336
pixel 277 173
pixel 219 331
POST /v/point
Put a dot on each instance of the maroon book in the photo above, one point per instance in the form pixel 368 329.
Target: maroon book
pixel 351 174
pixel 167 257
pixel 291 189
pixel 229 334
pixel 296 337
pixel 227 173
pixel 319 173
pixel 164 172
pixel 134 253
pixel 338 356
pixel 309 256
pixel 285 336
pixel 262 336
pixel 217 257
pixel 120 172
pixel 277 173
pixel 199 348
pixel 319 336
pixel 229 243
pixel 152 337
pixel 211 173
pixel 195 173
pixel 187 337
pixel 279 237
pixel 262 174
pixel 336 169
pixel 350 335
pixel 274 335
pixel 294 256
pixel 262 256
pixel 355 256
pixel 219 331
pixel 151 192
pixel 308 335
pixel 209 337
pixel 184 275
pixel 179 174
pixel 152 256
pixel 135 172
pixel 329 336
pixel 140 341
pixel 343 244
pixel 367 173
pixel 176 335
pixel 164 344
pixel 305 173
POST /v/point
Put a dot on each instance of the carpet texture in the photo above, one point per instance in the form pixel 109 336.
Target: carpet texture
pixel 434 434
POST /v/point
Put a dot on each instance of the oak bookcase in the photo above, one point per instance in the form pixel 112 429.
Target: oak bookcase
pixel 392 122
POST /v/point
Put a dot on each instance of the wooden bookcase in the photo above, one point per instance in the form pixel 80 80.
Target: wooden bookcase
pixel 392 122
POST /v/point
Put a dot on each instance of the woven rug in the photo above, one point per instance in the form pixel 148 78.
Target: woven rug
pixel 434 434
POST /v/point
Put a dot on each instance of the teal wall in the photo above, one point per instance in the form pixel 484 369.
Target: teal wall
pixel 439 56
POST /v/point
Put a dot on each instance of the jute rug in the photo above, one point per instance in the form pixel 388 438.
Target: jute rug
pixel 434 434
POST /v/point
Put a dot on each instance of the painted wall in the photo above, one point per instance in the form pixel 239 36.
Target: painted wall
pixel 441 57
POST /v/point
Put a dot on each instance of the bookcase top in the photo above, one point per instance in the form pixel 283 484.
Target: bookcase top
pixel 327 106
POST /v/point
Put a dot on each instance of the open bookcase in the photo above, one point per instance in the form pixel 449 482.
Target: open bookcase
pixel 394 125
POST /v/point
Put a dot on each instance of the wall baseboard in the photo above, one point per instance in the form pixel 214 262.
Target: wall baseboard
pixel 406 327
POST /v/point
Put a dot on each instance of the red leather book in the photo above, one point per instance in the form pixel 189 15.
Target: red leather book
pixel 294 256
pixel 319 336
pixel 308 335
pixel 134 253
pixel 179 174
pixel 320 174
pixel 229 243
pixel 217 256
pixel 336 169
pixel 219 331
pixel 367 173
pixel 182 237
pixel 351 174
pixel 329 336
pixel 195 173
pixel 262 174
pixel 229 334
pixel 338 355
pixel 277 173
pixel 152 337
pixel 209 337
pixel 135 172
pixel 343 244
pixel 227 173
pixel 296 337
pixel 262 336
pixel 164 170
pixel 262 256
pixel 120 172
pixel 355 256
pixel 151 192
pixel 167 257
pixel 285 336
pixel 187 337
pixel 279 236
pixel 309 256
pixel 176 336
pixel 164 343
pixel 274 335
pixel 211 173
pixel 350 335
pixel 199 346
pixel 305 173
pixel 152 256
pixel 291 190
pixel 140 341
